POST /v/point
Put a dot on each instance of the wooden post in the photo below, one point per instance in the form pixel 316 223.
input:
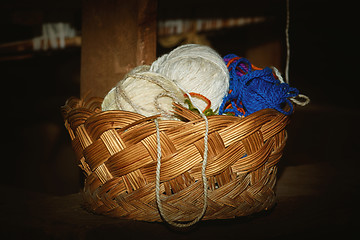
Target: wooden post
pixel 117 35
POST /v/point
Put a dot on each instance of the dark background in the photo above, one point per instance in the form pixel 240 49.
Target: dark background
pixel 36 150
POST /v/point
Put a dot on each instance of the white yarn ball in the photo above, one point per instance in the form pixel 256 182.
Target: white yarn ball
pixel 144 92
pixel 196 68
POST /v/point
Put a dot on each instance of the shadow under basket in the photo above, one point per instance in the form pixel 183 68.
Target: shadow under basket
pixel 117 150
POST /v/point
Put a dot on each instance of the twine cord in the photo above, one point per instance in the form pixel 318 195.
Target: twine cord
pixel 300 99
pixel 287 42
pixel 304 99
pixel 203 174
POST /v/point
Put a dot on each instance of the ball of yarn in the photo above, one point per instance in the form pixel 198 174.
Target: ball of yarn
pixel 253 89
pixel 144 92
pixel 196 68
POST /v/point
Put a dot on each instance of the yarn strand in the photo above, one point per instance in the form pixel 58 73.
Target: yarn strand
pixel 203 174
pixel 300 96
pixel 305 99
pixel 287 42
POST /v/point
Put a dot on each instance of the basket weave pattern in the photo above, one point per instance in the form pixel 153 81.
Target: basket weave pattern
pixel 117 151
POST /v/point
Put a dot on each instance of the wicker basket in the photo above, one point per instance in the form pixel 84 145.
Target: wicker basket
pixel 117 150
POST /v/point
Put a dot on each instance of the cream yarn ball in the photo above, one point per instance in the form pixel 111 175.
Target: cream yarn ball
pixel 144 92
pixel 196 68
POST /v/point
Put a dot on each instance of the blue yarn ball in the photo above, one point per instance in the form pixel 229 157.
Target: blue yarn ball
pixel 255 90
pixel 261 94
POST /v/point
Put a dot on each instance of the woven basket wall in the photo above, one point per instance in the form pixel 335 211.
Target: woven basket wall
pixel 117 150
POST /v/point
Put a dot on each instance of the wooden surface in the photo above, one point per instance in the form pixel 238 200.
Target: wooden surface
pixel 306 207
pixel 116 37
pixel 317 195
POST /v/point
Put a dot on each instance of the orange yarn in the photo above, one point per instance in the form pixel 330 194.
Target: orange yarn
pixel 240 109
pixel 202 97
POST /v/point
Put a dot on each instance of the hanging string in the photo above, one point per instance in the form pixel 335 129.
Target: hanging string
pixel 301 99
pixel 203 175
pixel 287 42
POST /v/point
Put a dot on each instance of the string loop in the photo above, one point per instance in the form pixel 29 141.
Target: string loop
pixel 203 174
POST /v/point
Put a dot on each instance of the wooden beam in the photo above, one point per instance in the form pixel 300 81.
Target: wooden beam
pixel 117 35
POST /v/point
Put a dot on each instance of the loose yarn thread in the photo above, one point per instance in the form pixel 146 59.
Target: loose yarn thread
pixel 287 42
pixel 196 68
pixel 304 99
pixel 203 174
